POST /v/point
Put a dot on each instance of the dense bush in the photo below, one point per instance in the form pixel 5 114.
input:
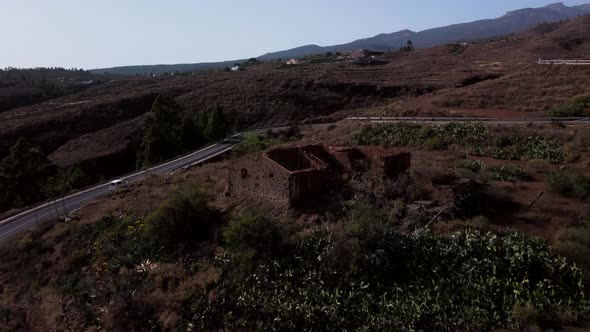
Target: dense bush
pixel 185 219
pixel 418 281
pixel 506 153
pixel 531 147
pixel 507 173
pixel 254 235
pixel 435 137
pixel 473 135
pixel 252 143
pixel 463 133
pixel 578 107
pixel 397 134
pixel 574 244
pixel 363 220
pixel 569 184
pixel 540 148
pixel 473 165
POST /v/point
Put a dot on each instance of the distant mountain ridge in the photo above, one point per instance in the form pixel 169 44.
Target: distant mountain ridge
pixel 511 22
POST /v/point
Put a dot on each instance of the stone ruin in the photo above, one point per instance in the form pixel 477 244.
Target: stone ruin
pixel 289 175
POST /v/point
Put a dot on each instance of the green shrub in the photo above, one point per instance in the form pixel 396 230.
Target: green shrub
pixel 395 134
pixel 507 173
pixel 185 219
pixel 254 235
pixel 400 282
pixel 436 137
pixel 578 107
pixel 434 143
pixel 363 219
pixel 463 133
pixel 503 141
pixel 540 148
pixel 574 244
pixel 253 143
pixel 532 147
pixel 569 184
pixel 506 153
pixel 473 165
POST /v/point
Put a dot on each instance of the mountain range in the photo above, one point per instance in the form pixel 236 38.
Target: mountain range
pixel 511 22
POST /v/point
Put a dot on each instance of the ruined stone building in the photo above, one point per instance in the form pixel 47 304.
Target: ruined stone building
pixel 289 175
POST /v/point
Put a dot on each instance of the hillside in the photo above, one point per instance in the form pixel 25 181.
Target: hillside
pixel 520 86
pixel 179 253
pixel 327 224
pixel 164 68
pixel 100 129
pixel 21 87
pixel 512 22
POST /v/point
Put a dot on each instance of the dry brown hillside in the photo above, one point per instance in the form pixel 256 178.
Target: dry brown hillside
pixel 484 78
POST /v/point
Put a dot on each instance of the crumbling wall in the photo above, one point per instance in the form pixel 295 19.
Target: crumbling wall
pixel 292 159
pixel 392 165
pixel 319 152
pixel 258 176
pixel 351 159
pixel 306 184
pixel 293 174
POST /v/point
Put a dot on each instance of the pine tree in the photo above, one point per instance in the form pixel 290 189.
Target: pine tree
pixel 21 173
pixel 409 47
pixel 191 136
pixel 215 126
pixel 161 140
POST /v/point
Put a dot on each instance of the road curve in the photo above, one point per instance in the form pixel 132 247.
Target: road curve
pixel 63 206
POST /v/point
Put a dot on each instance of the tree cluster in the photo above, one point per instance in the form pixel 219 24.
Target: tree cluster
pixel 21 173
pixel 169 132
pixel 409 47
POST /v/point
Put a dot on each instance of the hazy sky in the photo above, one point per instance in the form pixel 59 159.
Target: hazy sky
pixel 105 33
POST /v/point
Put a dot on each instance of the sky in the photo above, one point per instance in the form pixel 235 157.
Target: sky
pixel 105 33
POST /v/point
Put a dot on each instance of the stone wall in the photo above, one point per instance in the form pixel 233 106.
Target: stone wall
pixel 307 184
pixel 287 176
pixel 392 165
pixel 258 176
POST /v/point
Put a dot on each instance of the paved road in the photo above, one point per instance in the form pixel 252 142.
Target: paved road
pixel 27 219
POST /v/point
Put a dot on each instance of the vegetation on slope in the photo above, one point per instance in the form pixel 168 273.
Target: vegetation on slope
pixel 167 134
pixel 577 107
pixel 186 266
pixel 476 137
pixel 26 86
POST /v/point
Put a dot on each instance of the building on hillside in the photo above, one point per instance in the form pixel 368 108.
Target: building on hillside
pixel 294 62
pixel 280 175
pixel 289 175
pixel 379 162
pixel 364 54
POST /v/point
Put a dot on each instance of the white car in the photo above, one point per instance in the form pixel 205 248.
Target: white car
pixel 118 185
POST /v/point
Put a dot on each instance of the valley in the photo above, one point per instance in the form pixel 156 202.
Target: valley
pixel 439 185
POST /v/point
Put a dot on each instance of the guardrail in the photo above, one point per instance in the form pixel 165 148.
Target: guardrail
pixel 563 62
pixel 466 119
